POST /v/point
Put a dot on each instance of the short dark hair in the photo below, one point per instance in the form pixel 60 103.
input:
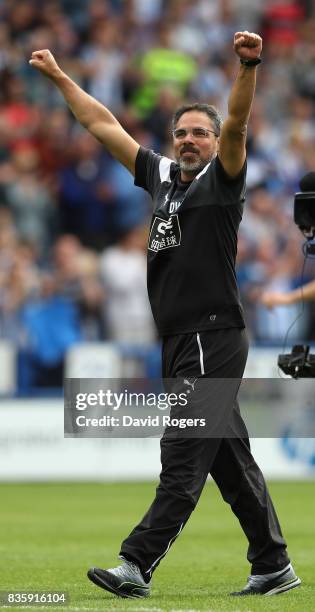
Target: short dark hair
pixel 211 111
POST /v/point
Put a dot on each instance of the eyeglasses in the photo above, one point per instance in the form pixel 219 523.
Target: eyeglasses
pixel 197 132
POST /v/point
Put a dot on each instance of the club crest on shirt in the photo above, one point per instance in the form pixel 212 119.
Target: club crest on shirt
pixel 164 234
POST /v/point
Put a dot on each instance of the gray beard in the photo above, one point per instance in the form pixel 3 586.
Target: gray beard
pixel 193 167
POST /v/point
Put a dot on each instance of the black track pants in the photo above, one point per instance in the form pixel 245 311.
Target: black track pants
pixel 186 462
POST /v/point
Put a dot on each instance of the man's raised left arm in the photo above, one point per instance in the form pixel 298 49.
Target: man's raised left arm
pixel 232 151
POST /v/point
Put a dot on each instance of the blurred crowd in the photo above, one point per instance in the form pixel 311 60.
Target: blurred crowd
pixel 73 227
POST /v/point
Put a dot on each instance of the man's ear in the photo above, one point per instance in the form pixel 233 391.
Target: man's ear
pixel 218 144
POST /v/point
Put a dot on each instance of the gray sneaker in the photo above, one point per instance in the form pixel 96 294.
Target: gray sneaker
pixel 125 580
pixel 270 584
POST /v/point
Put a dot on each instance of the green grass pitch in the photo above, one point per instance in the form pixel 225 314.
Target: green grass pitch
pixel 52 533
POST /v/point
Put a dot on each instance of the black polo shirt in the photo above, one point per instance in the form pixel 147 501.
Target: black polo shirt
pixel 192 245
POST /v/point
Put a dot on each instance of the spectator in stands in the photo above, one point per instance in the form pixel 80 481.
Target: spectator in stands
pixel 306 293
pixel 159 66
pixel 30 200
pixel 85 195
pixel 123 272
pixel 282 272
pixel 21 118
pixel 65 311
pixel 53 145
pixel 103 62
pixel 158 120
pixel 19 283
pixel 76 279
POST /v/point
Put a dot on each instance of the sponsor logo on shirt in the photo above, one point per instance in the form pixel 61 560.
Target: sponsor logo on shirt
pixel 164 234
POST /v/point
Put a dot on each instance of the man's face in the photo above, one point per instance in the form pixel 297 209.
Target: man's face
pixel 194 148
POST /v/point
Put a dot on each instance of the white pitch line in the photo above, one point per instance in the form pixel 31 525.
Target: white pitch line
pixel 78 608
pixel 114 609
pixel 111 609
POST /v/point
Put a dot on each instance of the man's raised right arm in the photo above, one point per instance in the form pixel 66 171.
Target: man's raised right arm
pixel 95 117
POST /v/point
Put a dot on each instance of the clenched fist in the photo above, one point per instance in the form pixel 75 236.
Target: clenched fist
pixel 247 46
pixel 46 63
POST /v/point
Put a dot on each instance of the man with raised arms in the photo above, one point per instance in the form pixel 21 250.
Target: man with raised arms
pixel 198 203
